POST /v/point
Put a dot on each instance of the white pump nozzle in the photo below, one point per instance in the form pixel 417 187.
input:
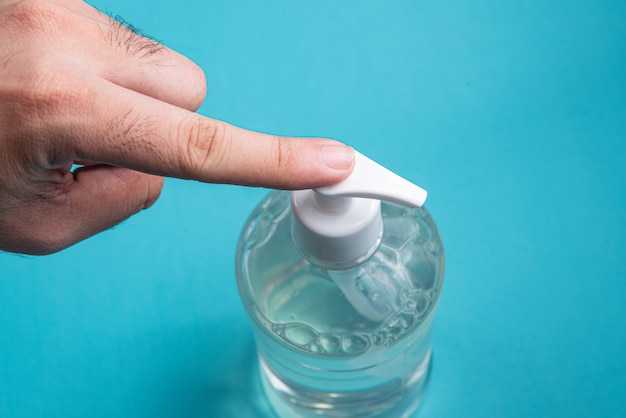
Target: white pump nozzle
pixel 371 180
pixel 341 225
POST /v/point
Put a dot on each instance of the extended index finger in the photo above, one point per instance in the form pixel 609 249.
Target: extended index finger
pixel 135 131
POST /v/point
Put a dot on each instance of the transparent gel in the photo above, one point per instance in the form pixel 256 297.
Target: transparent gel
pixel 342 343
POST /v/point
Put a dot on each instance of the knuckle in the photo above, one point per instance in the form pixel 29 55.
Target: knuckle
pixel 285 157
pixel 200 145
pixel 35 17
pixel 57 94
pixel 134 42
pixel 37 85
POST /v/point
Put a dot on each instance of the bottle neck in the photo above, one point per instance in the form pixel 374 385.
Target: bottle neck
pixel 335 233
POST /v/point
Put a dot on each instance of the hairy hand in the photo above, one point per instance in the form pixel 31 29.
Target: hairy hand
pixel 78 87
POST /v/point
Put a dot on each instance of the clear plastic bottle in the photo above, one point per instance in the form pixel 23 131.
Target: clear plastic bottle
pixel 348 342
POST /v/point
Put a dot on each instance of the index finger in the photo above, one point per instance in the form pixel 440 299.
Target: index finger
pixel 127 129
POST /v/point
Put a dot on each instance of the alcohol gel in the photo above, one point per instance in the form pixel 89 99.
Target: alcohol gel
pixel 342 291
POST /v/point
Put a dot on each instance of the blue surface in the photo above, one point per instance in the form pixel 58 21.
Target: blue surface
pixel 511 114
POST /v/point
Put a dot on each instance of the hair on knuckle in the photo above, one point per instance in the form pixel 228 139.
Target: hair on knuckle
pixel 132 132
pixel 132 40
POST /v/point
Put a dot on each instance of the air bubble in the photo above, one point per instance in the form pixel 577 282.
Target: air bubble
pixel 330 343
pixel 278 329
pixel 410 305
pixel 380 338
pixel 395 327
pixel 299 335
pixel 355 344
pixel 406 320
pixel 314 347
pixel 420 303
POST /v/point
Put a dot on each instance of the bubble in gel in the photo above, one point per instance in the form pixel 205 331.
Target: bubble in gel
pixel 355 344
pixel 395 327
pixel 299 334
pixel 406 320
pixel 330 343
pixel 380 338
pixel 278 329
pixel 314 347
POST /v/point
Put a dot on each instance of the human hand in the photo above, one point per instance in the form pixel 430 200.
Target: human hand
pixel 77 87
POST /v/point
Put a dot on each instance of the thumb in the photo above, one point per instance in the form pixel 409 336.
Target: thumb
pixel 99 198
pixel 103 196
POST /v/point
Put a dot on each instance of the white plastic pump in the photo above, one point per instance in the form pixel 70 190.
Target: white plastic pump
pixel 339 226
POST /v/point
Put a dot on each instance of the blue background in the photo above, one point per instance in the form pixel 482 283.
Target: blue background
pixel 511 113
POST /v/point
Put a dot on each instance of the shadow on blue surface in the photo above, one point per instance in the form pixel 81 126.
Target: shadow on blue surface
pixel 227 386
pixel 236 391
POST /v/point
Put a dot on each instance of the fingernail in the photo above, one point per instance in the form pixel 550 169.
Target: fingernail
pixel 338 157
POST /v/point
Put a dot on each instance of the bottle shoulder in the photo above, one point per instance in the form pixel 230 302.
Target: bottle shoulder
pixel 404 229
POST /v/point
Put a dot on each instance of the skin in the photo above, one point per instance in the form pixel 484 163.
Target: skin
pixel 78 87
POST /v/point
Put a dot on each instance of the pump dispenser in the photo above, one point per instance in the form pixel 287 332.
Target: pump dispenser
pixel 342 290
pixel 340 225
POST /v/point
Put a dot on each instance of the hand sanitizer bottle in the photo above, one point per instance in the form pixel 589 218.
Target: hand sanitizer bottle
pixel 342 289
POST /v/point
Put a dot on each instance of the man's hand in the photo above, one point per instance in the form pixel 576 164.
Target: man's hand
pixel 77 87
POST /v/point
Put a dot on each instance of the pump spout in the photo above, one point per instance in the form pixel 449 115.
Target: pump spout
pixel 373 181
